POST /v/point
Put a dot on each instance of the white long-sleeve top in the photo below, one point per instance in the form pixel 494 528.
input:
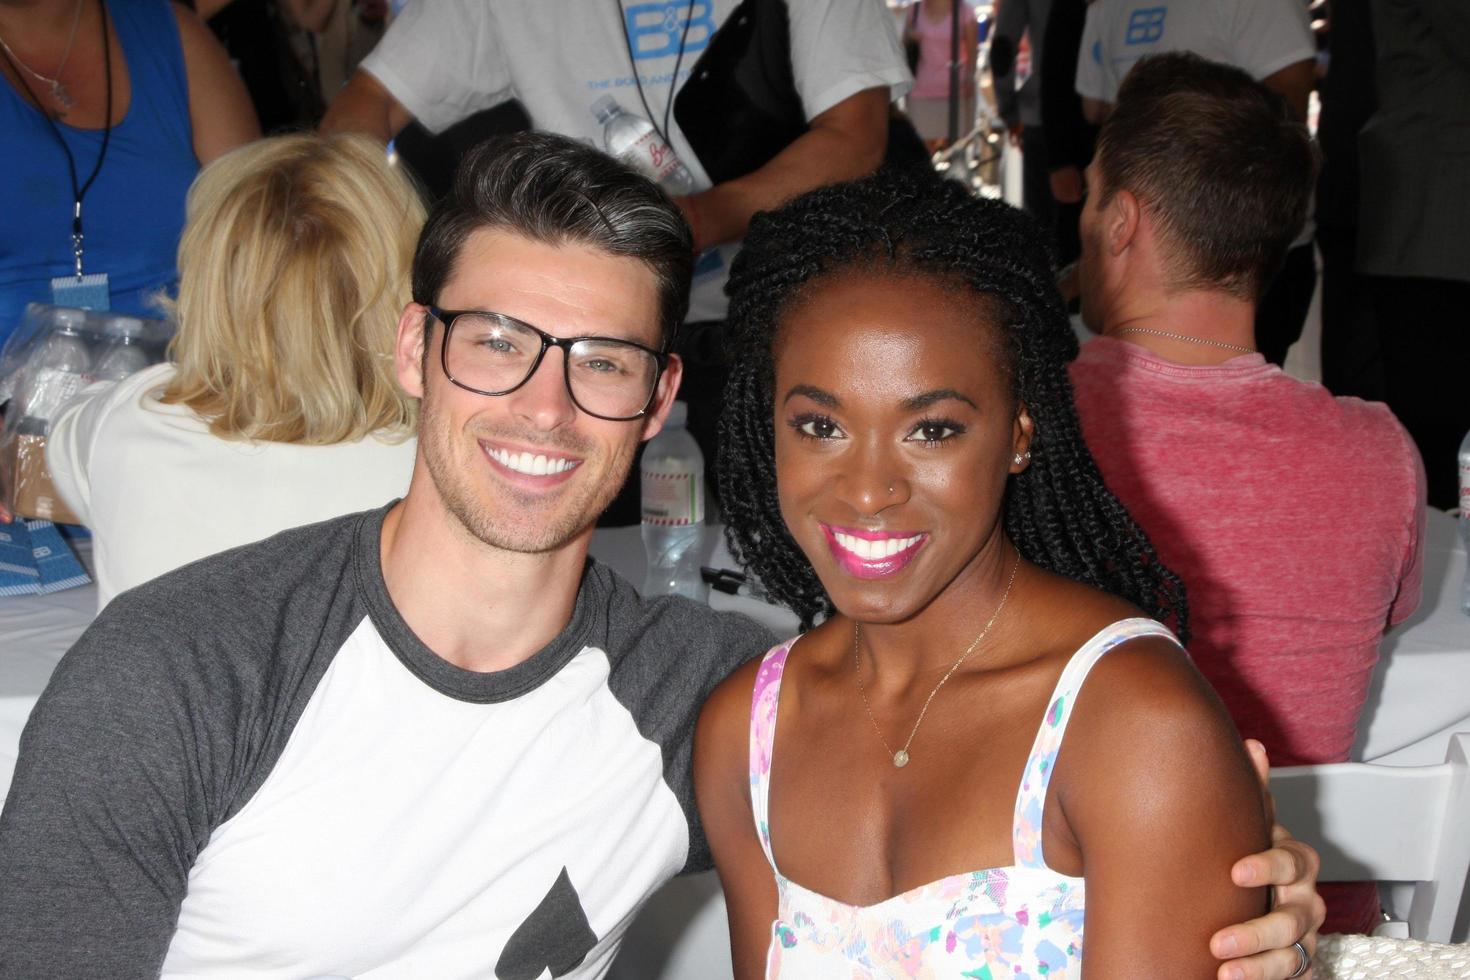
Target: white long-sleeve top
pixel 159 491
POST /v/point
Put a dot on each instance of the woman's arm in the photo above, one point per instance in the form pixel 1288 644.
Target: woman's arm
pixel 220 111
pixel 722 788
pixel 1160 801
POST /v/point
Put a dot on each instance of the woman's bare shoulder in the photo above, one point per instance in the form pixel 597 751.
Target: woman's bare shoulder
pixel 1063 615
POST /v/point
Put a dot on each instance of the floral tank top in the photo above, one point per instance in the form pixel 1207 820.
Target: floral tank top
pixel 1022 922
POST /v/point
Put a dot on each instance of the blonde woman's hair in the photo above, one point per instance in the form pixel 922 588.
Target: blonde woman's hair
pixel 293 268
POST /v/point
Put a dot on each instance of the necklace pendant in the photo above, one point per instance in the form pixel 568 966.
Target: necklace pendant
pixel 62 96
pixel 900 758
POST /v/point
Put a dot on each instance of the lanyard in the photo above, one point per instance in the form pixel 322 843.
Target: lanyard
pixel 673 79
pixel 78 193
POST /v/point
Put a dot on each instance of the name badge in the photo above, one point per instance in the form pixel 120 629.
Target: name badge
pixel 89 292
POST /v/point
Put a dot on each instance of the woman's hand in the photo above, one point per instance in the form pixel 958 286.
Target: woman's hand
pixel 1263 948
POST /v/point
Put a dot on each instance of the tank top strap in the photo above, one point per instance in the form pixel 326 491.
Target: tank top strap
pixel 149 35
pixel 764 701
pixel 1031 796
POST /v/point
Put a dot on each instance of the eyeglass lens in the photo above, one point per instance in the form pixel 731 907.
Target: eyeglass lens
pixel 605 377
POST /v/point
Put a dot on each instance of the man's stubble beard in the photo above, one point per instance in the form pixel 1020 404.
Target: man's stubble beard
pixel 523 527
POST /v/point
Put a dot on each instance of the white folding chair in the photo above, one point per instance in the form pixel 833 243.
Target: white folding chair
pixel 1388 824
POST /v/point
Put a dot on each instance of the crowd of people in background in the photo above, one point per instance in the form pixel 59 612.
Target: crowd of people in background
pixel 1167 471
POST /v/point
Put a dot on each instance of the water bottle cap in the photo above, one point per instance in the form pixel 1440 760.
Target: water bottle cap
pixel 69 319
pixel 678 416
pixel 124 328
pixel 605 108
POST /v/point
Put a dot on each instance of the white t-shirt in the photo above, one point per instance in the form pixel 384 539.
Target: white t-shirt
pixel 159 491
pixel 424 828
pixel 1260 37
pixel 445 60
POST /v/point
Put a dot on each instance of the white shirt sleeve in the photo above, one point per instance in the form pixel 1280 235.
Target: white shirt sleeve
pixel 69 445
pixel 1095 78
pixel 72 439
pixel 842 47
pixel 1268 35
pixel 442 60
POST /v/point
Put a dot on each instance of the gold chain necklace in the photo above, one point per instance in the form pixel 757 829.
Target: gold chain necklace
pixel 901 757
pixel 58 90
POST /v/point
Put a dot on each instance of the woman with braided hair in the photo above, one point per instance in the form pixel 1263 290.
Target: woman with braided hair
pixel 901 465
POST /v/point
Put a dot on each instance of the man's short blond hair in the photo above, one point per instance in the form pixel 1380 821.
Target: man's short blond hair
pixel 293 268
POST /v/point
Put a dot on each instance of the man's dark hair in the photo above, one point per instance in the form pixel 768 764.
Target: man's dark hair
pixel 1057 511
pixel 555 190
pixel 1218 160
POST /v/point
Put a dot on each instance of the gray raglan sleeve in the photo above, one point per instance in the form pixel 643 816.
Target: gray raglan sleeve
pixel 108 808
pixel 727 640
pixel 671 653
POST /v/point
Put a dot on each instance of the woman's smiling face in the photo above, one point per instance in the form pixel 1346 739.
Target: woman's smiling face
pixel 895 429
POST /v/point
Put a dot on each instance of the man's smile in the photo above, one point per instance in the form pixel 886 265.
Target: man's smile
pixel 527 463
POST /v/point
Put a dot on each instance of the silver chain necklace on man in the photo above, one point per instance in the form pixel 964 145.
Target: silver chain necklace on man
pixel 901 757
pixel 1185 338
pixel 58 90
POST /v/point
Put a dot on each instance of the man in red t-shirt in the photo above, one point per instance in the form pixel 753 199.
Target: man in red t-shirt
pixel 1295 518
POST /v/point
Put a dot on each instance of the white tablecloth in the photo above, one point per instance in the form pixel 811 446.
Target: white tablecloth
pixel 1420 695
pixel 621 548
pixel 34 632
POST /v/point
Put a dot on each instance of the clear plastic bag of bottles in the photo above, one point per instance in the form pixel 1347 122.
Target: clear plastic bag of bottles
pixel 55 353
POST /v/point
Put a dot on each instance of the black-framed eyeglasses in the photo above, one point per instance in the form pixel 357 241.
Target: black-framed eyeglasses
pixel 494 354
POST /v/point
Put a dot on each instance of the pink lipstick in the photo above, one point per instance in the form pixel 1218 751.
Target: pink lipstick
pixel 873 554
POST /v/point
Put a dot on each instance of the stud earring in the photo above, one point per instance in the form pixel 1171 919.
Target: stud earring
pixel 1020 458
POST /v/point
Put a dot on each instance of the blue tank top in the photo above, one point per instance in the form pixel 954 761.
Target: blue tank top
pixel 134 212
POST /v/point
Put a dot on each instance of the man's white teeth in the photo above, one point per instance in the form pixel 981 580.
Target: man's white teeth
pixel 870 550
pixel 532 464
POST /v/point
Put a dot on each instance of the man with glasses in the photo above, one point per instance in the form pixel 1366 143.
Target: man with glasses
pixel 432 740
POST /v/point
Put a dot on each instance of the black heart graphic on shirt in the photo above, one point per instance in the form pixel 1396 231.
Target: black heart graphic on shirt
pixel 555 936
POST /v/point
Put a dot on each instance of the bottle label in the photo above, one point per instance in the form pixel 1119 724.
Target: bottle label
pixel 673 499
pixel 662 161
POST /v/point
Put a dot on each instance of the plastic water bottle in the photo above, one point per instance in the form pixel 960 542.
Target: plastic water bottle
pixel 633 140
pixel 59 369
pixel 672 477
pixel 124 354
pixel 1465 516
